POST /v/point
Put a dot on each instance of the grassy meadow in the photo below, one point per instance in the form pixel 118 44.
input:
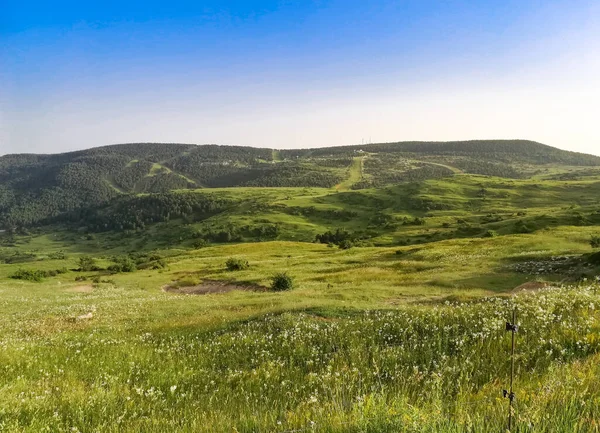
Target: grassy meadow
pixel 403 331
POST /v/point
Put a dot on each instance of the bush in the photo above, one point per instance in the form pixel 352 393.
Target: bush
pixel 36 275
pixel 233 264
pixel 594 259
pixel 490 234
pixel 59 255
pixel 27 275
pixel 595 241
pixel 154 265
pixel 199 243
pixel 521 227
pixel 346 244
pixel 122 264
pixel 87 263
pixel 281 282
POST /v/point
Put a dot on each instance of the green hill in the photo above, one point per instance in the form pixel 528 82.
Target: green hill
pixel 34 188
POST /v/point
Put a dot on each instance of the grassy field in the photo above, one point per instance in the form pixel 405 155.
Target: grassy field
pixel 403 332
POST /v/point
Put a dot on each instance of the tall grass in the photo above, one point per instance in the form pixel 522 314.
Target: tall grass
pixel 420 368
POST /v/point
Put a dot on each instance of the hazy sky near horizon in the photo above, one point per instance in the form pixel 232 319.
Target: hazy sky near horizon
pixel 291 73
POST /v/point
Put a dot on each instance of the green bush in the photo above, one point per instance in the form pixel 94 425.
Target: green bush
pixel 595 241
pixel 234 264
pixel 200 243
pixel 346 244
pixel 59 255
pixel 281 282
pixel 521 227
pixel 87 263
pixel 36 275
pixel 594 259
pixel 154 265
pixel 27 275
pixel 490 234
pixel 122 264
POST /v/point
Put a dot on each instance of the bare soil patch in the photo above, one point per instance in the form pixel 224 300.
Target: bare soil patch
pixel 214 286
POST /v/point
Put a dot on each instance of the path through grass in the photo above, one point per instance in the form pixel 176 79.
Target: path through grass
pixel 355 173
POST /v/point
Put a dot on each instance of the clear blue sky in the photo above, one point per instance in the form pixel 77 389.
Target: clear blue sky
pixel 297 73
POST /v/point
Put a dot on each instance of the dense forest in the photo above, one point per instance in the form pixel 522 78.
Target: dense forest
pixel 130 212
pixel 37 188
pixel 507 151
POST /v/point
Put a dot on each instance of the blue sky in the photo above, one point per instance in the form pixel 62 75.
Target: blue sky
pixel 297 73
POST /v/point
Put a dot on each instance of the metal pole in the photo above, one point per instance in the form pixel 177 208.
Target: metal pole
pixel 512 327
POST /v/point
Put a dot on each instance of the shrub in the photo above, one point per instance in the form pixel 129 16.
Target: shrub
pixel 156 264
pixel 234 264
pixel 127 265
pixel 341 238
pixel 595 241
pixel 490 234
pixel 122 264
pixel 59 255
pixel 87 263
pixel 346 244
pixel 281 282
pixel 199 243
pixel 36 275
pixel 27 275
pixel 594 259
pixel 55 272
pixel 521 227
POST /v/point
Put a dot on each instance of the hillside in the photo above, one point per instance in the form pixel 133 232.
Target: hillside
pixel 34 188
pixel 376 302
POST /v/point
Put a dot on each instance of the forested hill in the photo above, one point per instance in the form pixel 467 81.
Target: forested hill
pixel 508 151
pixel 34 188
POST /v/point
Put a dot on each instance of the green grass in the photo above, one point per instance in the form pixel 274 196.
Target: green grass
pixel 405 333
pixel 137 366
pixel 355 174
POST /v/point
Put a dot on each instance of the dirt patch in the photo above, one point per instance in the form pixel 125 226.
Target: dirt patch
pixel 81 289
pixel 214 286
pixel 531 286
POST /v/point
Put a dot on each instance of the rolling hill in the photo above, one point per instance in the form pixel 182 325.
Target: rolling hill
pixel 35 188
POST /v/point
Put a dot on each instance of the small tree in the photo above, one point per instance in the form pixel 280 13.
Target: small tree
pixel 281 282
pixel 346 244
pixel 233 264
pixel 87 263
pixel 199 243
pixel 490 234
pixel 122 264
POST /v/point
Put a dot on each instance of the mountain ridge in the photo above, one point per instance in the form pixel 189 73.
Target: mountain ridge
pixel 344 146
pixel 34 187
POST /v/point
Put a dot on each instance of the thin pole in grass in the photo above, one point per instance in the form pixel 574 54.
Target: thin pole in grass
pixel 511 327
